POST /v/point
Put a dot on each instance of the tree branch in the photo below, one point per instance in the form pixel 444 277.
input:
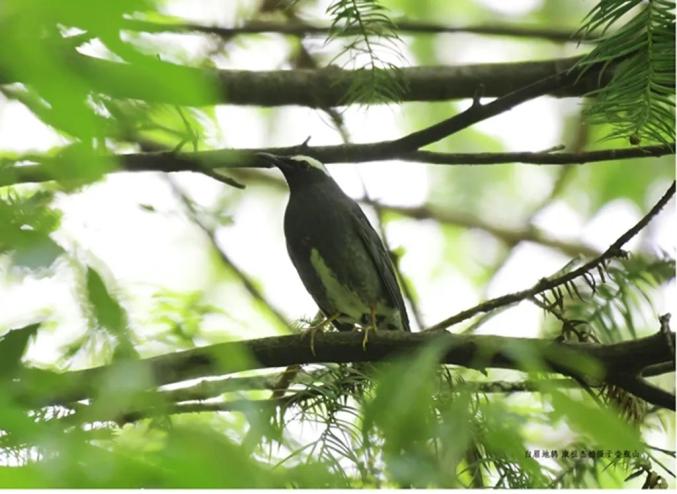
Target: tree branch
pixel 542 158
pixel 209 161
pixel 85 414
pixel 301 29
pixel 658 369
pixel 508 235
pixel 572 359
pixel 545 284
pixel 644 390
pixel 212 388
pixel 247 283
pixel 389 149
pixel 478 112
pixel 318 88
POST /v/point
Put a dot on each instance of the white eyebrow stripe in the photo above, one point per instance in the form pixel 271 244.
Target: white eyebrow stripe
pixel 311 161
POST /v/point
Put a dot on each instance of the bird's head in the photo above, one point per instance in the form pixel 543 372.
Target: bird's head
pixel 298 169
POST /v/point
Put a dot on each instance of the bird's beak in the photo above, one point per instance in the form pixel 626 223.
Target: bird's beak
pixel 272 159
pixel 282 163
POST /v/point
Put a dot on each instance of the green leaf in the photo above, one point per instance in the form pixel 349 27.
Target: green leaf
pixel 25 225
pixel 35 250
pixel 402 410
pixel 601 425
pixel 371 33
pixel 639 100
pixel 107 311
pixel 12 347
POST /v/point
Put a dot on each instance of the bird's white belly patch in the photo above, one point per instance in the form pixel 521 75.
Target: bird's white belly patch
pixel 347 302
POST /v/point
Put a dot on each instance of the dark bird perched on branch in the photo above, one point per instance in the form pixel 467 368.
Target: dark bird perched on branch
pixel 337 253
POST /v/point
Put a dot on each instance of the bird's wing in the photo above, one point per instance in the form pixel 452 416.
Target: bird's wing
pixel 381 260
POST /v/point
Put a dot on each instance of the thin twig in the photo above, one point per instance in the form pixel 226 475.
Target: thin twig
pixel 244 278
pixel 556 158
pixel 669 452
pixel 614 250
pixel 215 160
pixel 478 112
pixel 198 405
pixel 508 235
pixel 211 388
pixel 413 27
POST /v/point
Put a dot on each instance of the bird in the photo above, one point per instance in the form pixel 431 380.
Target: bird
pixel 338 255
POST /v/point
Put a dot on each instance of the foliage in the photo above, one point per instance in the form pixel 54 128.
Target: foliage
pixel 610 304
pixel 602 305
pixel 376 38
pixel 25 224
pixel 639 102
pixel 405 422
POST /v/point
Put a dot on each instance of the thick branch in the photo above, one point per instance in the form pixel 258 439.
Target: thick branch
pixel 585 361
pixel 645 390
pixel 319 88
pixel 206 161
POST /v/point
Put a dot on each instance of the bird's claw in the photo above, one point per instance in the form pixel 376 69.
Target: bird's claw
pixel 371 327
pixel 312 331
pixel 365 339
pixel 315 328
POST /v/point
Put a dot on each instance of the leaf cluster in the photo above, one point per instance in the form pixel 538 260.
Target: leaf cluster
pixel 412 423
pixel 26 222
pixel 639 101
pixel 371 34
pixel 604 305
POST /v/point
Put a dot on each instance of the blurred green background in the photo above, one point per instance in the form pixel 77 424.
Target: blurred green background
pixel 117 265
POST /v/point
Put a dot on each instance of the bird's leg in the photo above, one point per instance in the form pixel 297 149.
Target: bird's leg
pixel 318 327
pixel 372 313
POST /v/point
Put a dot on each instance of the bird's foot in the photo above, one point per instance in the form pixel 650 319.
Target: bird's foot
pixel 365 339
pixel 371 327
pixel 315 328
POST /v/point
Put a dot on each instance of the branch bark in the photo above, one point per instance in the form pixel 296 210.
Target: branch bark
pixel 583 361
pixel 552 158
pixel 210 161
pixel 317 88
